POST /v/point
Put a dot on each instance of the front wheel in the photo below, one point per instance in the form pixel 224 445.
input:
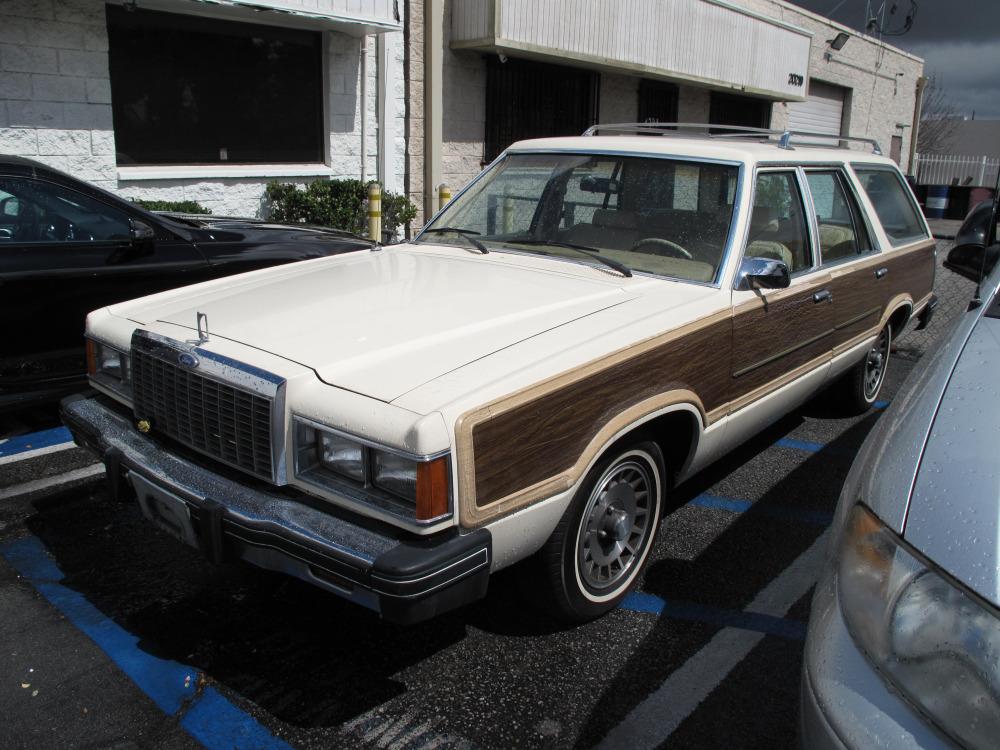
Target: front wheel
pixel 603 540
pixel 863 383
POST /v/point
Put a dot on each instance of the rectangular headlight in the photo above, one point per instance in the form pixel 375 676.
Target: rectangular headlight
pixel 413 486
pixel 395 474
pixel 109 366
pixel 936 642
pixel 341 456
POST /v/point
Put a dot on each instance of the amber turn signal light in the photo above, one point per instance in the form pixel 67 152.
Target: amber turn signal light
pixel 432 489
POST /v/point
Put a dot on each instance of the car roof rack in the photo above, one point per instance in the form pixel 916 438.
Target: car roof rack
pixel 783 138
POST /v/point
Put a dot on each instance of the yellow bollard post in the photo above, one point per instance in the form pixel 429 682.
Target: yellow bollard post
pixel 508 211
pixel 444 195
pixel 375 212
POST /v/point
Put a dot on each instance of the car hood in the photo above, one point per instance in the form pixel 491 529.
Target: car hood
pixel 954 509
pixel 383 323
pixel 205 228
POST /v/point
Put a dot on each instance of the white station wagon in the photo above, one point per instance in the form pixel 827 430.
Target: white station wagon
pixel 590 321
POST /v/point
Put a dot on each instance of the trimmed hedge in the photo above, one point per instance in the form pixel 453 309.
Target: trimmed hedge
pixel 341 204
pixel 182 207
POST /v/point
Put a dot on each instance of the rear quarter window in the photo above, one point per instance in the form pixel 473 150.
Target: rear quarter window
pixel 894 204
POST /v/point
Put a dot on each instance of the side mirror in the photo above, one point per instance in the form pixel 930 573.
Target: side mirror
pixel 762 273
pixel 973 261
pixel 142 232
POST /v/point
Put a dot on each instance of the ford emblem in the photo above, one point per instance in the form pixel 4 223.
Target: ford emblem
pixel 186 359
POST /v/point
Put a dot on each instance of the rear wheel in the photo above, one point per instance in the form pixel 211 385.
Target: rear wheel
pixel 862 384
pixel 602 542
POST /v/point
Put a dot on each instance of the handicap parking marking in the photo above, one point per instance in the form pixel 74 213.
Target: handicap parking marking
pixel 175 688
pixel 778 512
pixel 35 444
pixel 651 722
pixel 638 601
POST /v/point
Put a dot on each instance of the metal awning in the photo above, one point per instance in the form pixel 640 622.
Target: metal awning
pixel 353 17
pixel 706 42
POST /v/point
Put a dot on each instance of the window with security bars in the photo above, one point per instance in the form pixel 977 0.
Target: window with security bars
pixel 526 99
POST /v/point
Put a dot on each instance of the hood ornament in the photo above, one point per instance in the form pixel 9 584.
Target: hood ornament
pixel 202 328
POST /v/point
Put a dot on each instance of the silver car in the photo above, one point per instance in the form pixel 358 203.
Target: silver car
pixel 903 647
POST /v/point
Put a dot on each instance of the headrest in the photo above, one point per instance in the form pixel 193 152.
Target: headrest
pixel 612 219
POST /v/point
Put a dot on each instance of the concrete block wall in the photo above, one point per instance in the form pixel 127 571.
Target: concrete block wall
pixel 55 107
pixel 55 91
pixel 619 98
pixel 879 99
pixel 413 70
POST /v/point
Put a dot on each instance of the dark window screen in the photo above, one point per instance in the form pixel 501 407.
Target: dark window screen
pixel 190 90
pixel 743 111
pixel 657 101
pixel 527 99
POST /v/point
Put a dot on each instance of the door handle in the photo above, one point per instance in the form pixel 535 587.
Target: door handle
pixel 881 272
pixel 824 296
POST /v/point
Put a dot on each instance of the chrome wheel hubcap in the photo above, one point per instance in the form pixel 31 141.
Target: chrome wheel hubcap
pixel 616 524
pixel 875 364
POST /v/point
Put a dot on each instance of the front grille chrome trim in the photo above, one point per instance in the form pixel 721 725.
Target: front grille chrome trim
pixel 247 394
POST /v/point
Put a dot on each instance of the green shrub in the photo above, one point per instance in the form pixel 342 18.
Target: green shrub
pixel 341 204
pixel 182 207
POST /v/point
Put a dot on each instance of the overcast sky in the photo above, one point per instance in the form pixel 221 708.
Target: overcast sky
pixel 958 39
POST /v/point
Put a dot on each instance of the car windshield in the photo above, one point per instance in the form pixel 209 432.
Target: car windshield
pixel 667 217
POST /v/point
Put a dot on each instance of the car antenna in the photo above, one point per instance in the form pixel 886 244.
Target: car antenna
pixel 989 239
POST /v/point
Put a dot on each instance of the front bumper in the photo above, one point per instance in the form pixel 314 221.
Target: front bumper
pixel 404 578
pixel 844 702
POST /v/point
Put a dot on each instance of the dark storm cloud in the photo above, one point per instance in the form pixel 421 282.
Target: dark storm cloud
pixel 958 39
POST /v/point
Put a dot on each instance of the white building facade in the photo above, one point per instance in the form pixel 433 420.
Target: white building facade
pixel 182 100
pixel 511 69
pixel 209 101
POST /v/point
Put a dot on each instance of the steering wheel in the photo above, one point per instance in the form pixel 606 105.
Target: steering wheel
pixel 660 246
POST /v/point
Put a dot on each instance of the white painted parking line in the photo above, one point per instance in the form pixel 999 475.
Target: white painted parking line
pixel 36 452
pixel 650 723
pixel 36 485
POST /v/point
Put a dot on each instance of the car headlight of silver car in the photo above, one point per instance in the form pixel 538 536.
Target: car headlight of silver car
pixel 413 487
pixel 937 643
pixel 109 367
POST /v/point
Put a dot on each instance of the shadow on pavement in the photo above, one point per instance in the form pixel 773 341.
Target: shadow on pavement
pixel 728 573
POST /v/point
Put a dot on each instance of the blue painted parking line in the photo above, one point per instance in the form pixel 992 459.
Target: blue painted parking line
pixel 34 441
pixel 778 512
pixel 801 445
pixel 207 715
pixel 638 601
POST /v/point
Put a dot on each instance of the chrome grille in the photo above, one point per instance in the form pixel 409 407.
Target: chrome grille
pixel 215 418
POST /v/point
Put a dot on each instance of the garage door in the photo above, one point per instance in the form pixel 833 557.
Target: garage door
pixel 821 112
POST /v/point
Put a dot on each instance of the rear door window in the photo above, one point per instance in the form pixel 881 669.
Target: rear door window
pixel 841 230
pixel 778 223
pixel 893 202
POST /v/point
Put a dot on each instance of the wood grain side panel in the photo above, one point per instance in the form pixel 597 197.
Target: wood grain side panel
pixel 773 339
pixel 545 435
pixel 911 272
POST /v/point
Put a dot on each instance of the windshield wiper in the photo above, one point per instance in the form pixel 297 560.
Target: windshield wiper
pixel 589 251
pixel 466 233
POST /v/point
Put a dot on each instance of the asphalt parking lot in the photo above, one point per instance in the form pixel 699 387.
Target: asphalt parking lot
pixel 115 635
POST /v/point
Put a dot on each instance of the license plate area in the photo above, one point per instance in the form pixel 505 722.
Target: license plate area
pixel 165 509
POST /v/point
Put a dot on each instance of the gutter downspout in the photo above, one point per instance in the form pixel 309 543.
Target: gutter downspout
pixel 433 109
pixel 915 130
pixel 382 112
pixel 364 110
